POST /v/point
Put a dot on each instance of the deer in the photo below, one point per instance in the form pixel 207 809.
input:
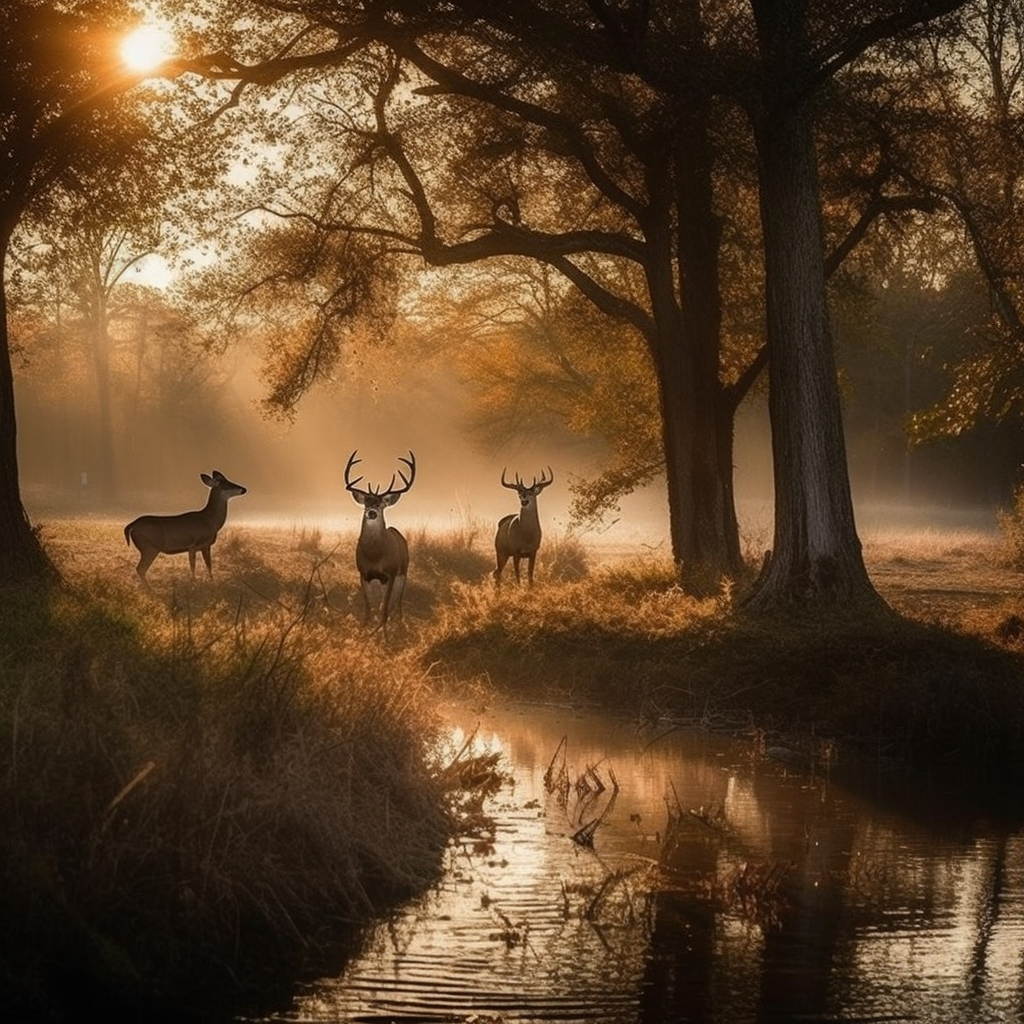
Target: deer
pixel 518 536
pixel 187 531
pixel 382 553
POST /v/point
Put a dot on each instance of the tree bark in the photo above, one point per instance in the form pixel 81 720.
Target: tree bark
pixel 22 557
pixel 697 412
pixel 816 556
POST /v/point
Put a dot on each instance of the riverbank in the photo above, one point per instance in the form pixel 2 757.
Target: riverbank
pixel 214 784
pixel 199 806
pixel 933 684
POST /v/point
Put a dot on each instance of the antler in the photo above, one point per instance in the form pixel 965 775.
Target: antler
pixel 376 491
pixel 520 486
pixel 350 485
pixel 407 480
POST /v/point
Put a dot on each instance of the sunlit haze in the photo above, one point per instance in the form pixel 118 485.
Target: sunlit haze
pixel 147 47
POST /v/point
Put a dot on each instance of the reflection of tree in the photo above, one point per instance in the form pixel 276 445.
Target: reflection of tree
pixel 680 967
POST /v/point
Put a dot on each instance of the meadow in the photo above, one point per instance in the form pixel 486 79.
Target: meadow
pixel 207 786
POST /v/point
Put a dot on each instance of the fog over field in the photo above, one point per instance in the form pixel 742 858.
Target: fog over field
pixel 295 470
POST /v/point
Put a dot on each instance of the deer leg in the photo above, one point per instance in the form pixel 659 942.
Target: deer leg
pixel 192 561
pixel 144 563
pixel 365 587
pixel 207 560
pixel 399 591
pixel 502 559
pixel 529 569
pixel 385 603
pixel 515 565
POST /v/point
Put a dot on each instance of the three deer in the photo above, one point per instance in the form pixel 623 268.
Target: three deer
pixel 518 536
pixel 382 553
pixel 188 531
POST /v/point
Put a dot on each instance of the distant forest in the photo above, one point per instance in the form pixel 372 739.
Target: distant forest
pixel 173 404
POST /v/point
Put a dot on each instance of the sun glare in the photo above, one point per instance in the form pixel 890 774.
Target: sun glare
pixel 147 47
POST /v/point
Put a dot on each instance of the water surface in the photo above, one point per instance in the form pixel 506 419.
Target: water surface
pixel 690 877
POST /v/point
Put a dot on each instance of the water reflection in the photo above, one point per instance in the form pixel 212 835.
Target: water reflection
pixel 718 888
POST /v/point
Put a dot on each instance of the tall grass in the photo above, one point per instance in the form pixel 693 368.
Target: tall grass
pixel 190 797
pixel 219 778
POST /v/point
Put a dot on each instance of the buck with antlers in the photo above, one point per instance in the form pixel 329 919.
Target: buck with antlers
pixel 188 531
pixel 518 536
pixel 382 553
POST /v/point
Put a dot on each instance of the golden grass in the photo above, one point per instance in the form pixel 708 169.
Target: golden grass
pixel 198 779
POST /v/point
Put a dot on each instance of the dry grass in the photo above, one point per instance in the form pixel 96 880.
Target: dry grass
pixel 205 781
pixel 242 761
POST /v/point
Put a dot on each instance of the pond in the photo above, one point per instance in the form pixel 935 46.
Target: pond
pixel 690 877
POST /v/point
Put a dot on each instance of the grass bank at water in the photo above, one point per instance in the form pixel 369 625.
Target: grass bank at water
pixel 197 806
pixel 210 786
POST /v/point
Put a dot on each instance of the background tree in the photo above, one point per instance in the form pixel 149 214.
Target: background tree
pixel 65 122
pixel 541 362
pixel 83 255
pixel 962 140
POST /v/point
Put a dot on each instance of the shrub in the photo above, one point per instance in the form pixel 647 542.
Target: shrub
pixel 1011 526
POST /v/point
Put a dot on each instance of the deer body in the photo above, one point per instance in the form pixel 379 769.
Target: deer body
pixel 518 536
pixel 382 554
pixel 187 531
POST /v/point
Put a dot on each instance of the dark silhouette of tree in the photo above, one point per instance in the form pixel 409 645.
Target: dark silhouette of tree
pixel 59 75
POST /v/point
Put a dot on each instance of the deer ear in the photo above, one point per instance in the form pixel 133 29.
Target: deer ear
pixel 389 499
pixel 208 480
pixel 358 497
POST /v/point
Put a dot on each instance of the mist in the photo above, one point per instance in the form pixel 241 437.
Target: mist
pixel 294 470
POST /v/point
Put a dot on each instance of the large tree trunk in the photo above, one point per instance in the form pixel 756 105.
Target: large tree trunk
pixel 698 460
pixel 22 557
pixel 697 415
pixel 817 554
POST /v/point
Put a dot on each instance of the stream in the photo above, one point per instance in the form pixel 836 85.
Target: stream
pixel 692 877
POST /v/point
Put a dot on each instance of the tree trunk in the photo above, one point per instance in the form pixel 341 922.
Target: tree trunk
pixel 698 444
pixel 22 557
pixel 817 554
pixel 697 414
pixel 101 364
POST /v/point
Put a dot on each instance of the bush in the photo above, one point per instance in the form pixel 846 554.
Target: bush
pixel 1011 526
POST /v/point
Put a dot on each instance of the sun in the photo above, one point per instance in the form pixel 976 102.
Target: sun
pixel 147 47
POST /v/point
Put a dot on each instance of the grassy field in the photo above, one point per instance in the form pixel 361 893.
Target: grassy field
pixel 936 683
pixel 210 777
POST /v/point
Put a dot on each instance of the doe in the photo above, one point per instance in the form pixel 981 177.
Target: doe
pixel 188 531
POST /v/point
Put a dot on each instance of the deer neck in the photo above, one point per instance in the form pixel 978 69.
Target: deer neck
pixel 373 535
pixel 216 510
pixel 529 521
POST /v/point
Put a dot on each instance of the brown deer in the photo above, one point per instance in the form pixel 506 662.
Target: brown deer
pixel 188 531
pixel 518 536
pixel 382 553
